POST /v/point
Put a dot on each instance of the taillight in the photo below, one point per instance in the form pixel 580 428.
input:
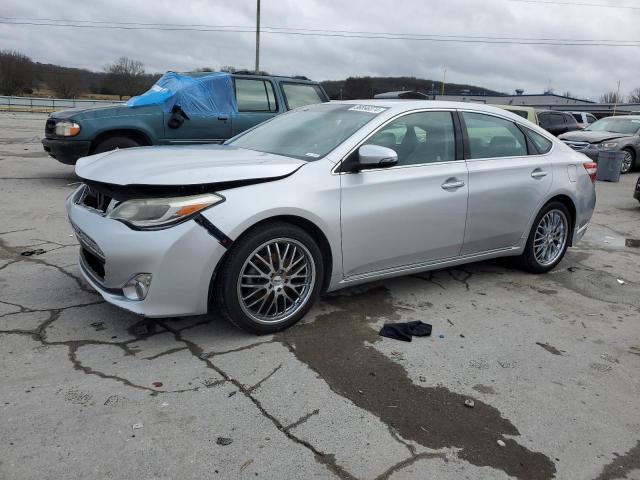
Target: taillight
pixel 591 168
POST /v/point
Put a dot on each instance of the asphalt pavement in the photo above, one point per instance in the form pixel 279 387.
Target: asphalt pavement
pixel 551 363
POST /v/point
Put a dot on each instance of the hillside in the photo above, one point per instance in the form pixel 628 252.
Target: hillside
pixel 367 87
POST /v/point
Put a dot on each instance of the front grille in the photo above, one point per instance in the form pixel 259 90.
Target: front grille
pixel 94 200
pixel 577 145
pixel 95 263
pixel 50 128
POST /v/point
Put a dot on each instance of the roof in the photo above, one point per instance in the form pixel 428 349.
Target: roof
pixel 246 73
pixel 396 106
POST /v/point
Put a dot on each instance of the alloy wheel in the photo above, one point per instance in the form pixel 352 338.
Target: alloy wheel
pixel 627 162
pixel 550 237
pixel 276 280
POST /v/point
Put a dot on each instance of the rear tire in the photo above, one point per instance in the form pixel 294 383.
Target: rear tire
pixel 548 239
pixel 112 143
pixel 270 278
pixel 629 162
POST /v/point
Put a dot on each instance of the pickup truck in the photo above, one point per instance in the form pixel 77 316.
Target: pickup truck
pixel 74 133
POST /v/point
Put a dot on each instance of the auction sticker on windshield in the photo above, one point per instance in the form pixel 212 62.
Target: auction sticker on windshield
pixel 367 108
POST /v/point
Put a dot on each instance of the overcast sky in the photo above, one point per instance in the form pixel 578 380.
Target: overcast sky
pixel 585 71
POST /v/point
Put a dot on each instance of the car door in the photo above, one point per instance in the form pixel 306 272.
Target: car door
pixel 413 212
pixel 506 183
pixel 256 102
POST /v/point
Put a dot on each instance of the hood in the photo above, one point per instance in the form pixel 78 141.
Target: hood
pixel 591 137
pixel 184 165
pixel 102 111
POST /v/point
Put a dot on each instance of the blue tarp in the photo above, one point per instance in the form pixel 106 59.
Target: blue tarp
pixel 208 94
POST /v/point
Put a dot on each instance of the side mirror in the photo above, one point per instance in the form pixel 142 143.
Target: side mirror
pixel 375 156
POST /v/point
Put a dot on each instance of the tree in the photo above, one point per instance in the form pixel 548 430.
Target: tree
pixel 567 94
pixel 66 85
pixel 125 77
pixel 16 72
pixel 634 96
pixel 611 97
pixel 358 88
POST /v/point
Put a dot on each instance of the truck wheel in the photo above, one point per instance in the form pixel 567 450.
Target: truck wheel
pixel 112 143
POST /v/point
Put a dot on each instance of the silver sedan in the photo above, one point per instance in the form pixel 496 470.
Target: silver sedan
pixel 320 198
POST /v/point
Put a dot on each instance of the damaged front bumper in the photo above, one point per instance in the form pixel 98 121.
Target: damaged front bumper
pixel 181 261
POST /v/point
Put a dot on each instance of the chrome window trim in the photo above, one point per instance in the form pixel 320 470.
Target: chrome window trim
pixel 387 122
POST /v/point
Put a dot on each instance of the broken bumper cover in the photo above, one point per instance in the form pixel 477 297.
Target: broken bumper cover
pixel 181 260
pixel 66 151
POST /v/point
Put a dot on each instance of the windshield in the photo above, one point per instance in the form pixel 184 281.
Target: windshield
pixel 615 125
pixel 308 133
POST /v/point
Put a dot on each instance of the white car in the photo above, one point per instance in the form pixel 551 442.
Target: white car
pixel 320 198
pixel 584 119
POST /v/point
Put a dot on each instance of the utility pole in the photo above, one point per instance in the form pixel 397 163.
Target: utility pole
pixel 615 105
pixel 258 37
pixel 444 78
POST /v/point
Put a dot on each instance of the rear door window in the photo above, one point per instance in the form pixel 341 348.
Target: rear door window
pixel 542 144
pixel 493 137
pixel 298 94
pixel 255 95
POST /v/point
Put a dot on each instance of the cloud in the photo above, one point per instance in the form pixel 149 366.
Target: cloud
pixel 585 71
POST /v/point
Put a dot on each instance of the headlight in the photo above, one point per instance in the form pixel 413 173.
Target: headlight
pixel 608 145
pixel 65 128
pixel 157 213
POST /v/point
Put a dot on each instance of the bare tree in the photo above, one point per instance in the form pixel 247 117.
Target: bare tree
pixel 634 96
pixel 611 97
pixel 125 77
pixel 16 72
pixel 66 85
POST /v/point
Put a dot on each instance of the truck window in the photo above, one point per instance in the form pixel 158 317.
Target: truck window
pixel 299 95
pixel 255 95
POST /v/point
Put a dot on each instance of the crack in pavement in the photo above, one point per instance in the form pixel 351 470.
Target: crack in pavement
pixel 408 462
pixel 322 458
pixel 302 420
pixel 15 251
pixel 339 347
pixel 257 385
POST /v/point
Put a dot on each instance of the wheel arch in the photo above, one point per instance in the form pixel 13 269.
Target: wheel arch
pixel 305 224
pixel 568 202
pixel 134 134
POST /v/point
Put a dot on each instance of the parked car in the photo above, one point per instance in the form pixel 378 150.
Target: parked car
pixel 71 134
pixel 584 119
pixel 528 113
pixel 557 123
pixel 320 198
pixel 611 133
pixel 636 192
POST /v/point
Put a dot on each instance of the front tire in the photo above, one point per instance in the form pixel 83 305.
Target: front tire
pixel 112 143
pixel 629 161
pixel 548 239
pixel 270 279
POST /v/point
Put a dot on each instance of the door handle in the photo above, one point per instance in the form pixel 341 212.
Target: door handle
pixel 452 185
pixel 538 173
pixel 224 119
